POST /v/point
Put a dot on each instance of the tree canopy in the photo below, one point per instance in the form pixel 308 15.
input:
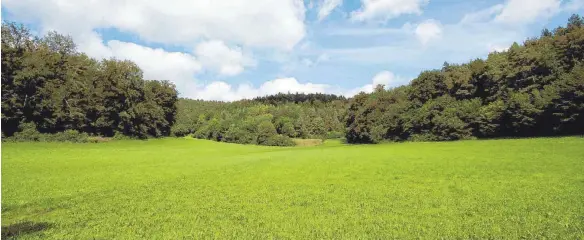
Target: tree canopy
pixel 47 82
pixel 533 89
pixel 257 122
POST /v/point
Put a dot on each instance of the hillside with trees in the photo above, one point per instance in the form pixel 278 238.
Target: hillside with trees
pixel 533 89
pixel 49 87
pixel 271 120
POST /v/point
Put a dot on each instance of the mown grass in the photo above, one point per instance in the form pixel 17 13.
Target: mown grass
pixel 187 188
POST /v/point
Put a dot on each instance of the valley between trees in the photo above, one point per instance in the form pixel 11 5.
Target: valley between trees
pixel 51 92
pixel 189 188
pixel 223 186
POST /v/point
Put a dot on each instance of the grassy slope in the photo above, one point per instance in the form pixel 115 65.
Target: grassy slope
pixel 173 188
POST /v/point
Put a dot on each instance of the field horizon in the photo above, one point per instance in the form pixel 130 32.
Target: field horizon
pixel 190 188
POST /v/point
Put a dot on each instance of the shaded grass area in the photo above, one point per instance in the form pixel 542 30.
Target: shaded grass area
pixel 175 188
pixel 15 230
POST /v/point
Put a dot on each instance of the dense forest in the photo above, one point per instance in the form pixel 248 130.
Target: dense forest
pixel 49 87
pixel 269 120
pixel 531 89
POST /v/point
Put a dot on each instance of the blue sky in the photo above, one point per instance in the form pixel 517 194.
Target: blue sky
pixel 233 49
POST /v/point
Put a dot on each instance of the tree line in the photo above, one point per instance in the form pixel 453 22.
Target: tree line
pixel 49 87
pixel 256 122
pixel 533 89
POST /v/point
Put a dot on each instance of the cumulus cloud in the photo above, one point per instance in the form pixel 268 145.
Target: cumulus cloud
pixel 484 15
pixel 385 78
pixel 521 12
pixel 327 7
pixel 497 47
pixel 218 56
pixel 574 5
pixel 157 63
pixel 223 91
pixel 526 11
pixel 260 23
pixel 428 30
pixel 387 9
pixel 320 59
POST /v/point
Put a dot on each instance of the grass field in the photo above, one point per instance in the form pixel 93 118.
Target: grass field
pixel 187 188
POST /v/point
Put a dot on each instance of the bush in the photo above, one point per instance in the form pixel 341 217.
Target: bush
pixel 278 140
pixel 121 136
pixel 29 133
pixel 334 135
pixel 67 136
pixel 235 134
pixel 426 137
pixel 180 131
pixel 288 129
pixel 265 131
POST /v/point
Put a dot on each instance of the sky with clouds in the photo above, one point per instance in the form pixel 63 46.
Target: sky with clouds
pixel 233 49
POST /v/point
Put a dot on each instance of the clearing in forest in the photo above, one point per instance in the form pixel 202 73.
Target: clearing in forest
pixel 175 188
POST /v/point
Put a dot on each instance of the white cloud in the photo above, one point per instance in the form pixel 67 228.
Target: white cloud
pixel 527 11
pixel 291 85
pixel 521 12
pixel 484 15
pixel 223 91
pixel 497 47
pixel 322 58
pixel 269 24
pixel 428 30
pixel 387 9
pixel 327 7
pixel 574 5
pixel 386 78
pixel 368 88
pixel 260 23
pixel 307 62
pixel 157 63
pixel 361 31
pixel 219 57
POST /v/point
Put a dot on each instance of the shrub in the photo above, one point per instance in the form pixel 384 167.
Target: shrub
pixel 28 133
pixel 278 140
pixel 288 129
pixel 334 135
pixel 67 136
pixel 120 136
pixel 180 131
pixel 426 137
pixel 266 131
pixel 236 134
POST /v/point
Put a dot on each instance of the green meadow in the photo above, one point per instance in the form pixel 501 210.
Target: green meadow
pixel 198 189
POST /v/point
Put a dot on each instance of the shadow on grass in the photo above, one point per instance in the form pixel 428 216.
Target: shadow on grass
pixel 18 229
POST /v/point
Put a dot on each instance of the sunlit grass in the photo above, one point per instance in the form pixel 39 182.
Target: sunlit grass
pixel 175 188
